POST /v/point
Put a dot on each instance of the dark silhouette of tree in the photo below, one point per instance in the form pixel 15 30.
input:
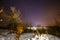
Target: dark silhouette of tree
pixel 54 30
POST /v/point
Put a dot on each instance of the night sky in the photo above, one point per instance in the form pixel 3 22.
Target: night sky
pixel 36 11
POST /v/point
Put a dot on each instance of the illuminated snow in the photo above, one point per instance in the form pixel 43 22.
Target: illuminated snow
pixel 40 37
pixel 29 36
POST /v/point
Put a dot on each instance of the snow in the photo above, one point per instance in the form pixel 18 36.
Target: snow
pixel 29 36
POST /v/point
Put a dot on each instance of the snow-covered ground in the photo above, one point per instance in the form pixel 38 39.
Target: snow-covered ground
pixel 8 37
pixel 27 36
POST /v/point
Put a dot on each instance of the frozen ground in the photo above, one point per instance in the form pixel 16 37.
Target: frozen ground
pixel 26 36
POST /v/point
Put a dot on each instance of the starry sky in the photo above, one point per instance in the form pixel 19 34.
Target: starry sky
pixel 36 11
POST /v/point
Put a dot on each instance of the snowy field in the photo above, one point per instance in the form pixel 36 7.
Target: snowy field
pixel 27 36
